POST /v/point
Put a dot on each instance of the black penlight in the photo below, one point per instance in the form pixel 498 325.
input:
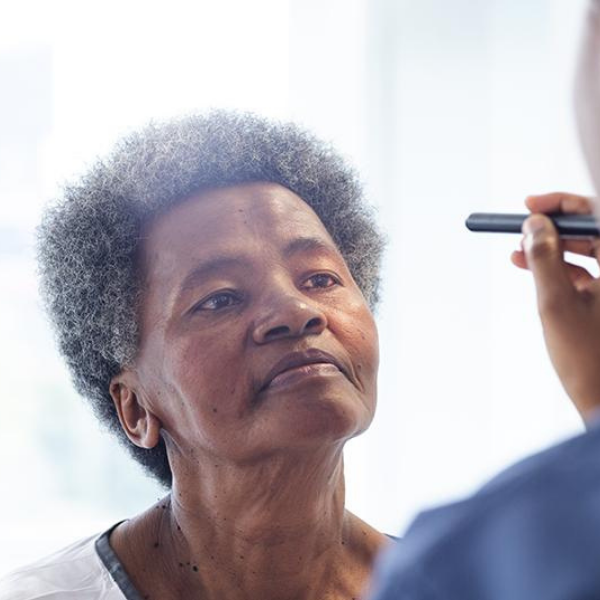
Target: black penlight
pixel 567 224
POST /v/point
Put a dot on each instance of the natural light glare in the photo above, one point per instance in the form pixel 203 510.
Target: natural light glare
pixel 445 108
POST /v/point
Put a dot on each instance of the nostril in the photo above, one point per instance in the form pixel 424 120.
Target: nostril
pixel 303 320
pixel 314 322
pixel 276 332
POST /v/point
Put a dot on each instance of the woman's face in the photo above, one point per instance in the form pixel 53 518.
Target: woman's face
pixel 254 336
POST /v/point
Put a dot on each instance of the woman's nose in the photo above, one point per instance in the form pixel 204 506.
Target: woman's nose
pixel 291 317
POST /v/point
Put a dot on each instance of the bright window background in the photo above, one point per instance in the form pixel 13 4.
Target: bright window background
pixel 445 107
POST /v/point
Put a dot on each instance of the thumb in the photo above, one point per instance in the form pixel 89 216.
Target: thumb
pixel 544 256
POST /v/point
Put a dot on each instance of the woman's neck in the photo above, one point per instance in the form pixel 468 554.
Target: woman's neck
pixel 277 529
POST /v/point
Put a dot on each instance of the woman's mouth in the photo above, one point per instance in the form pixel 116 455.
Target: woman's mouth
pixel 303 372
pixel 298 366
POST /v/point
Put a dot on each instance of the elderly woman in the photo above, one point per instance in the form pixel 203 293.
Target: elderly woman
pixel 210 284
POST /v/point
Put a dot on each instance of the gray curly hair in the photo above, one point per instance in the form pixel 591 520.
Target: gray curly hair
pixel 89 240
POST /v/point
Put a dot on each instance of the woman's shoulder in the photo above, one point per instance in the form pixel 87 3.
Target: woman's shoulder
pixel 75 572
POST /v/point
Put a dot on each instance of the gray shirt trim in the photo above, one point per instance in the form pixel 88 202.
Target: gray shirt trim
pixel 113 565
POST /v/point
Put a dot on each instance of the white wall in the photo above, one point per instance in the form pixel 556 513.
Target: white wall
pixel 474 107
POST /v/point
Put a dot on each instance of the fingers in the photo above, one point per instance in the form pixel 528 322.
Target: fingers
pixel 589 247
pixel 559 202
pixel 579 277
pixel 570 203
pixel 518 259
pixel 544 258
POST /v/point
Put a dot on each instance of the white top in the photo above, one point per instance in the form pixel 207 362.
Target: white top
pixel 86 570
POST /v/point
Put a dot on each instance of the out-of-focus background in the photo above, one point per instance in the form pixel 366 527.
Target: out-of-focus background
pixel 445 107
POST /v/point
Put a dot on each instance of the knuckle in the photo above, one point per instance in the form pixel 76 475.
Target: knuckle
pixel 551 305
pixel 576 204
pixel 542 246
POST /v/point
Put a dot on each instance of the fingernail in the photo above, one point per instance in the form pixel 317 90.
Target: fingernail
pixel 535 224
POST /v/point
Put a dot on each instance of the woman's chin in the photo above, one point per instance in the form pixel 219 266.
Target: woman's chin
pixel 324 420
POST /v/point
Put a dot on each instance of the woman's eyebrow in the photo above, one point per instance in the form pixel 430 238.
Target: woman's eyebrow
pixel 304 245
pixel 219 263
pixel 211 266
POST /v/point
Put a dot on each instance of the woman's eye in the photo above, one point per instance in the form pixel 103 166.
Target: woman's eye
pixel 321 280
pixel 219 301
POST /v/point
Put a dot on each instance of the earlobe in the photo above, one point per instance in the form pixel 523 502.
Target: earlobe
pixel 138 421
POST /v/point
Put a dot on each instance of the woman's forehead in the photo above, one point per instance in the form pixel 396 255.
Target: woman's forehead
pixel 239 218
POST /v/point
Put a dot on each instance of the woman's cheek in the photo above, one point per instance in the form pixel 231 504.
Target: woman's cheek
pixel 361 341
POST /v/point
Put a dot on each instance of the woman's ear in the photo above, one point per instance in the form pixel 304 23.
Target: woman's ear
pixel 138 421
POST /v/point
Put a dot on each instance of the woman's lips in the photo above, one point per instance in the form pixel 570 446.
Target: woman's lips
pixel 297 366
pixel 303 372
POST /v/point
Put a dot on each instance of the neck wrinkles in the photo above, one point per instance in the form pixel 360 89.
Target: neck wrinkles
pixel 256 527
